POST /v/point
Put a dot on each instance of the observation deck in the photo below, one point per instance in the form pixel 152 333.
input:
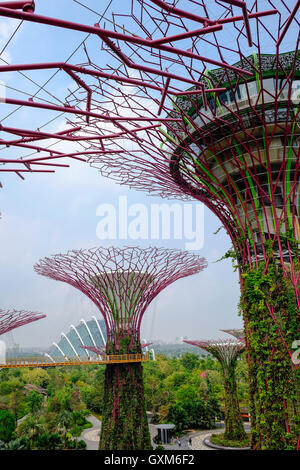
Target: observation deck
pixel 76 361
pixel 239 150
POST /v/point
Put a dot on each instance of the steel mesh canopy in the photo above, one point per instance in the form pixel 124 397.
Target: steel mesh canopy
pixel 225 350
pixel 11 319
pixel 121 281
pixel 238 333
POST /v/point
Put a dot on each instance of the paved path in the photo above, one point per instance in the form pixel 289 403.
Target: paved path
pixel 197 439
pixel 91 436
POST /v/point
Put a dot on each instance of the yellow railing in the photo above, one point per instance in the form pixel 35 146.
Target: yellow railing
pixel 71 361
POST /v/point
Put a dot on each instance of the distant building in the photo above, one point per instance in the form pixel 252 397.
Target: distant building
pixel 86 333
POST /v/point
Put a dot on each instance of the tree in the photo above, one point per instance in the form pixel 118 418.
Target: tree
pixel 31 428
pixel 49 441
pixel 75 430
pixel 190 361
pixel 39 377
pixel 176 379
pixel 34 401
pixel 54 405
pixel 7 425
pixel 178 416
pixel 96 404
pixel 16 399
pixel 64 421
pixel 9 386
pixel 64 397
pixel 186 394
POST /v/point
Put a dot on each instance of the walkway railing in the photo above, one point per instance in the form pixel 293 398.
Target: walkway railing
pixel 73 361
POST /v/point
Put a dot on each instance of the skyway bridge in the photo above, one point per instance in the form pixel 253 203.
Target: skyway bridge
pixel 41 361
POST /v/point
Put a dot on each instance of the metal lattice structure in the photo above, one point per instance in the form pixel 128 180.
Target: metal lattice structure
pixel 121 281
pixel 225 350
pixel 238 333
pixel 11 319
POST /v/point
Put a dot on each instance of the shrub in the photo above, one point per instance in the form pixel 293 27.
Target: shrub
pixel 7 425
pixel 49 441
pixel 81 445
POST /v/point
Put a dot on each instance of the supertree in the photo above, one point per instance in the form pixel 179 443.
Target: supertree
pixel 11 319
pixel 122 282
pixel 227 352
pixel 231 141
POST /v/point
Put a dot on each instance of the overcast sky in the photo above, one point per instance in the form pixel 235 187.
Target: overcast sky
pixel 48 214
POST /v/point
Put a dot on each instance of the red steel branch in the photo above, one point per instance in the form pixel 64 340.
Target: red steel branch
pixel 12 10
pixel 28 6
pixel 107 36
pixel 99 350
pixel 11 319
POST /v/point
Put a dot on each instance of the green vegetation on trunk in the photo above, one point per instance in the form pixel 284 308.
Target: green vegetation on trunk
pixel 272 324
pixel 234 428
pixel 124 420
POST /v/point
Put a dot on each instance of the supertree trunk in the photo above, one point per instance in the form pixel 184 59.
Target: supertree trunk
pixel 240 334
pixel 252 386
pixel 271 311
pixel 124 420
pixel 234 428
